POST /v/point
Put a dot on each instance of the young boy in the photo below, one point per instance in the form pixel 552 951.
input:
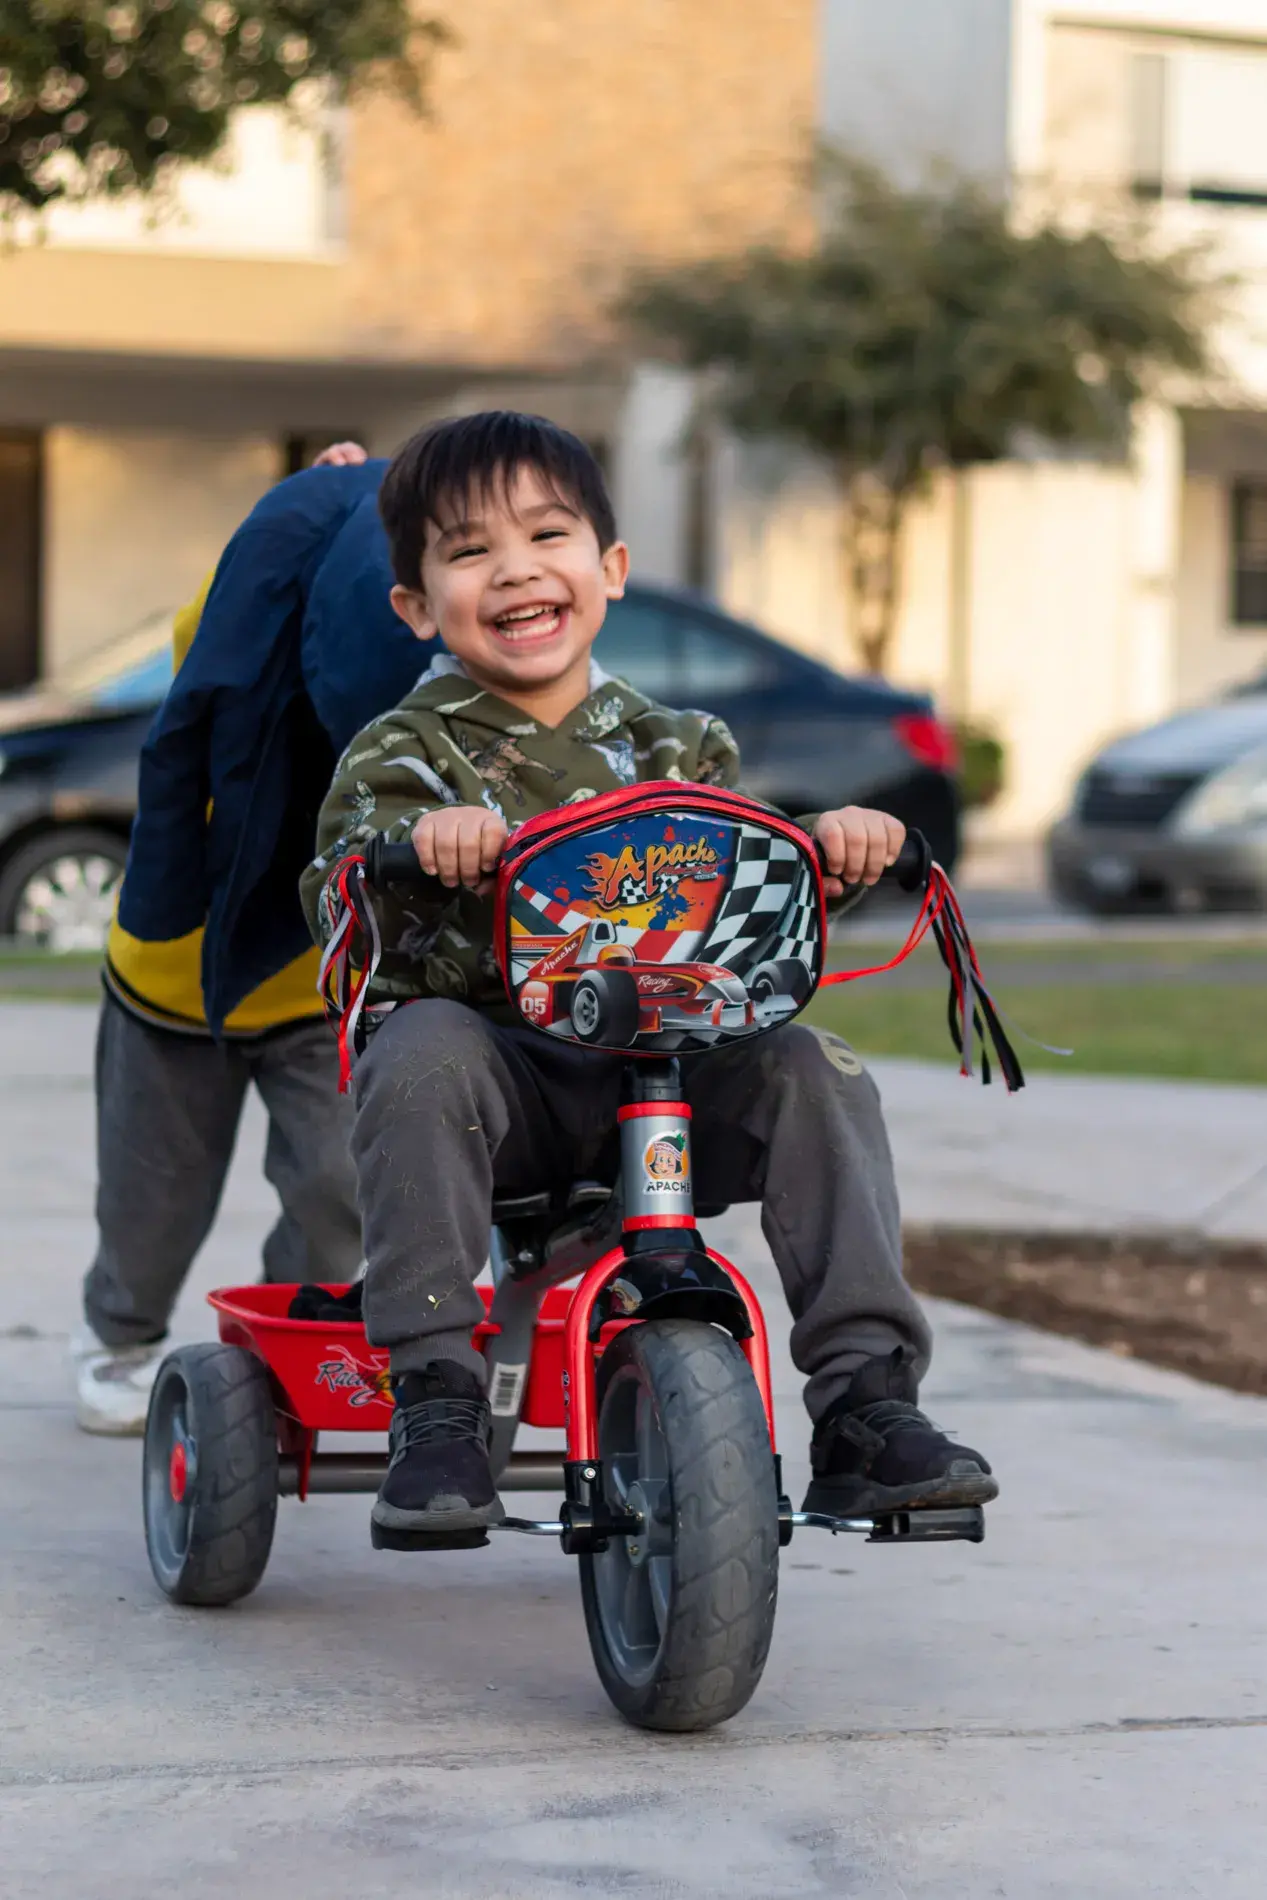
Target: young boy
pixel 503 542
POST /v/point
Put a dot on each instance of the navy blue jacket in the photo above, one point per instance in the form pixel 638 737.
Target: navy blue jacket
pixel 296 650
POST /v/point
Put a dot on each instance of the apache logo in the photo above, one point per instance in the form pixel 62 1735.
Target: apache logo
pixel 635 878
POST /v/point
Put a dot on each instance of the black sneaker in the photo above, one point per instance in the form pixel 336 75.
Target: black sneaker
pixel 874 1451
pixel 438 1492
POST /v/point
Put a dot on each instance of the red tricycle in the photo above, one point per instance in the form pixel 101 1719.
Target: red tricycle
pixel 658 922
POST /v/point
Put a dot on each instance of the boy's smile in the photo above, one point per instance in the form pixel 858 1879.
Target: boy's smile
pixel 518 590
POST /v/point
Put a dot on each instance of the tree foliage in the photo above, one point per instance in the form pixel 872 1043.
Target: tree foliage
pixel 925 329
pixel 101 98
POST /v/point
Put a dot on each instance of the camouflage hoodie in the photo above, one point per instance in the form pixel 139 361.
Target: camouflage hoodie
pixel 452 743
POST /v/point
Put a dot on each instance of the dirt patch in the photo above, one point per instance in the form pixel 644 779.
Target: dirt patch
pixel 1196 1306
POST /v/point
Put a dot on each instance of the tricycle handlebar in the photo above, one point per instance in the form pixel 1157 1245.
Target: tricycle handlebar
pixel 398 864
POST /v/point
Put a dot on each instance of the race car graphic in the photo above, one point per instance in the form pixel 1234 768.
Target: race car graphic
pixel 594 986
pixel 663 932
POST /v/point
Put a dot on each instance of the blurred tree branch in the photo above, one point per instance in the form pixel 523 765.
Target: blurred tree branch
pixel 928 328
pixel 99 99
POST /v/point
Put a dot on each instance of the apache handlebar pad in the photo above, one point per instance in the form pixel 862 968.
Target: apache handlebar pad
pixel 398 864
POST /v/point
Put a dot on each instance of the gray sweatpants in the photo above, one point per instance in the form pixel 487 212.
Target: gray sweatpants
pixel 168 1108
pixel 451 1107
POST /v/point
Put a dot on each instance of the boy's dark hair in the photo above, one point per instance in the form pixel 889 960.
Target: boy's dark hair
pixel 478 456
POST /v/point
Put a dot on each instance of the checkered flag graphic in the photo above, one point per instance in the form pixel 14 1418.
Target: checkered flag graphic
pixel 769 912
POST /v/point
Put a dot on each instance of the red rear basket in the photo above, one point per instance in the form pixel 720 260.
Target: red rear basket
pixel 330 1379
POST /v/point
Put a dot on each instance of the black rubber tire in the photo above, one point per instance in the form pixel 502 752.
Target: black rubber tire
pixel 617 1010
pixel 786 977
pixel 68 841
pixel 211 1548
pixel 721 1528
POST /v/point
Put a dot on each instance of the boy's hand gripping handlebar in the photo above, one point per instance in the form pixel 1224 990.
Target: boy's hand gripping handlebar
pixel 910 869
pixel 398 864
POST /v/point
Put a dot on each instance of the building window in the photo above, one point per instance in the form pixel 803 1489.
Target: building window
pixel 1148 124
pixel 1249 554
pixel 1196 117
pixel 21 495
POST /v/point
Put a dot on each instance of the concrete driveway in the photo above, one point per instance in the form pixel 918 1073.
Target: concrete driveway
pixel 1077 1708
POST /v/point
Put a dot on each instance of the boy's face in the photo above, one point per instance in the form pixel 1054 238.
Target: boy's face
pixel 517 586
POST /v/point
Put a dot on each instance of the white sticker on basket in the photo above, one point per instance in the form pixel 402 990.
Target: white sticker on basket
pixel 507 1390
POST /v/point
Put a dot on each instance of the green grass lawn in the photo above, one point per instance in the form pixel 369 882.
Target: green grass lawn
pixel 1172 1024
pixel 1214 1032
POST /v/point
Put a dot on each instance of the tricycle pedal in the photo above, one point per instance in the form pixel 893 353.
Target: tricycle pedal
pixel 966 1523
pixel 384 1538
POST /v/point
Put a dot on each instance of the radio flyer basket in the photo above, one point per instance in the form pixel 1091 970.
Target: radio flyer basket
pixel 660 920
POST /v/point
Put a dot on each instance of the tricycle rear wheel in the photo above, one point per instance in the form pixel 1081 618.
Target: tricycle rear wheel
pixel 210 1474
pixel 680 1616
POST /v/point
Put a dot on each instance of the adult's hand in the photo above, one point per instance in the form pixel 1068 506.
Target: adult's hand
pixel 341 455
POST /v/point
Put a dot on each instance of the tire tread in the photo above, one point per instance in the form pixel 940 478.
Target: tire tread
pixel 725 1575
pixel 235 1508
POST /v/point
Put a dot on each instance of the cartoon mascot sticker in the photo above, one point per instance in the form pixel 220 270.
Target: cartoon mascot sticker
pixel 666 1161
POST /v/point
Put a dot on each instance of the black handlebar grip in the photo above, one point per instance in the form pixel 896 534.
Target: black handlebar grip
pixel 910 869
pixel 398 864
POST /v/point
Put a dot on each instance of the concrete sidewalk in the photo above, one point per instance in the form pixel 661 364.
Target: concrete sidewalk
pixel 1100 1154
pixel 1074 1709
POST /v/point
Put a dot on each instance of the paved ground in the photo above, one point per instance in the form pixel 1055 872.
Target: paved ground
pixel 1102 1153
pixel 1077 1708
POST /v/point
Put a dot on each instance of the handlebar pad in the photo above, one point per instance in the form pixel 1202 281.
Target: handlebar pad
pixel 909 869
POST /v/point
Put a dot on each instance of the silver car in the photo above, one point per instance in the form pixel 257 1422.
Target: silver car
pixel 1172 818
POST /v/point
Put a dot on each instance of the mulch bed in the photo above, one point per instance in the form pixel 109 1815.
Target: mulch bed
pixel 1196 1306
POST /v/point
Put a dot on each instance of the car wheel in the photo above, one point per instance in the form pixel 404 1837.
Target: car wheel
pixel 605 1009
pixel 785 977
pixel 58 892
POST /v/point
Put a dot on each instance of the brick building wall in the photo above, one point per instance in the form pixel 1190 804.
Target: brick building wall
pixel 566 140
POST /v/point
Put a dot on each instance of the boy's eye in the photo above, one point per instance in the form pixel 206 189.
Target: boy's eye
pixel 548 534
pixel 460 554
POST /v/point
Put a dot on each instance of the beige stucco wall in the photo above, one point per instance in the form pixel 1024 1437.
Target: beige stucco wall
pixel 1064 601
pixel 135 519
pixel 156 302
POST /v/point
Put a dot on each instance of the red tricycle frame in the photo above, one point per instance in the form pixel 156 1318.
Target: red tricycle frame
pixel 327 1377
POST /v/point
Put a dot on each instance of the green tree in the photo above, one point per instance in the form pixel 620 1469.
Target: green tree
pixel 101 97
pixel 926 329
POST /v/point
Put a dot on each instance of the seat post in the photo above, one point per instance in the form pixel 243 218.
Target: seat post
pixel 655 1152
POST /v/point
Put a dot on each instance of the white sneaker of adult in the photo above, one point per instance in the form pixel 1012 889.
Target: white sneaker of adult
pixel 112 1384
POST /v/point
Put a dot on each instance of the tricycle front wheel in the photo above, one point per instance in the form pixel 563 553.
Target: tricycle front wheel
pixel 680 1616
pixel 210 1474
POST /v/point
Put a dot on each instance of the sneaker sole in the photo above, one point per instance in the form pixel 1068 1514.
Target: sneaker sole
pixel 870 1500
pixel 443 1522
pixel 382 1537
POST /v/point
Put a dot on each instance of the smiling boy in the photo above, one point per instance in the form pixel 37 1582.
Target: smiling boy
pixel 503 541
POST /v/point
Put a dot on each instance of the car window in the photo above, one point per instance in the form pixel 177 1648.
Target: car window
pixel 139 686
pixel 636 644
pixel 715 664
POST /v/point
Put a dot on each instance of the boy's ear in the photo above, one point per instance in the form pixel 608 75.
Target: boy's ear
pixel 615 570
pixel 413 610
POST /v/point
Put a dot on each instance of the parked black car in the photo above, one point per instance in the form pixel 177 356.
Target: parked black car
pixel 810 738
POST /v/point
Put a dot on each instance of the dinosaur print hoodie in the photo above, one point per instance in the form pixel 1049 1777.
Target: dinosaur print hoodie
pixel 452 743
